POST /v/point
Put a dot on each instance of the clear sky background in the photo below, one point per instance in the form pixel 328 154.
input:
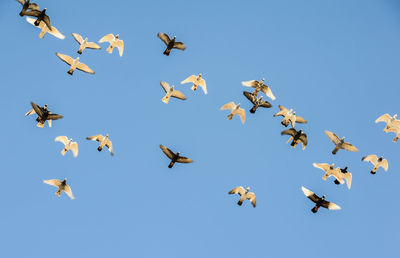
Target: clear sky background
pixel 334 62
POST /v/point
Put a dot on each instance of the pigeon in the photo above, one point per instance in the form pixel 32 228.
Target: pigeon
pixel 171 92
pixel 174 157
pixel 61 185
pixel 68 145
pixel 289 116
pixel 396 130
pixel 381 162
pixel 337 173
pixel 319 201
pixel 75 64
pixel 27 5
pixel 390 121
pixel 257 102
pixel 296 136
pixel 244 194
pixel 45 29
pixel 43 115
pixel 84 43
pixel 41 16
pixel 197 80
pixel 170 43
pixel 114 42
pixel 339 143
pixel 104 141
pixel 259 86
pixel 235 110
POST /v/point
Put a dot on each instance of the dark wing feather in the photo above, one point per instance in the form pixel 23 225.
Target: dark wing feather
pixel 315 198
pixel 179 45
pixel 46 20
pixel 182 159
pixel 164 37
pixel 167 152
pixel 291 132
pixel 325 204
pixel 265 104
pixel 33 13
pixel 54 117
pixel 38 110
pixel 249 96
pixel 303 138
pixel 34 6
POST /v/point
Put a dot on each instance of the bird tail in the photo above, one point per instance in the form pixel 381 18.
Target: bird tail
pixel 58 193
pixel 37 22
pixel 70 72
pixel 230 116
pixel 335 151
pixel 315 209
pixel 80 51
pixel 373 171
pixel 110 49
pixel 253 109
pixel 165 99
pixel 64 151
pixel 194 87
pixel 171 164
pixel 40 124
pixel 294 144
pixel 41 35
pixel 99 148
pixel 167 51
pixel 336 182
pixel 395 139
pixel 240 202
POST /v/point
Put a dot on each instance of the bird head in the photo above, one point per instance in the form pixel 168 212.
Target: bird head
pixel 117 36
pixel 106 134
pixel 199 74
pixel 323 197
pixel 45 106
pixel 300 131
pixel 262 80
pixel 332 166
pixel 77 59
pixel 394 116
pixel 238 105
pixel 247 189
pixel 174 37
pixel 178 153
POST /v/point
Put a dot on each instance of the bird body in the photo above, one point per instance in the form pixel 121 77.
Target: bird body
pixel 170 43
pixel 259 86
pixel 296 137
pixel 257 102
pixel 45 29
pixel 74 64
pixel 339 143
pixel 197 80
pixel 83 43
pixel 244 194
pixel 337 173
pixel 68 145
pixel 174 157
pixel 319 201
pixel 377 162
pixel 171 92
pixel 114 42
pixel 235 110
pixel 104 141
pixel 61 185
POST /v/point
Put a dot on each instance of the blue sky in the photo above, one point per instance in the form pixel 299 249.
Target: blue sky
pixel 334 62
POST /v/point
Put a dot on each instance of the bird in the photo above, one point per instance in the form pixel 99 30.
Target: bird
pixel 74 64
pixel 377 162
pixel 170 43
pixel 244 194
pixel 289 116
pixel 104 141
pixel 171 92
pixel 45 29
pixel 257 102
pixel 41 16
pixel 27 5
pixel 235 110
pixel 389 120
pixel 296 136
pixel 259 86
pixel 319 201
pixel 61 185
pixel 68 145
pixel 114 42
pixel 396 130
pixel 339 143
pixel 174 157
pixel 84 43
pixel 43 115
pixel 337 173
pixel 197 80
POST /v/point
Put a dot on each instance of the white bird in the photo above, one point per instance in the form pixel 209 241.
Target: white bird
pixel 61 185
pixel 104 141
pixel 68 145
pixel 75 64
pixel 289 116
pixel 244 194
pixel 377 162
pixel 259 86
pixel 197 80
pixel 390 121
pixel 171 92
pixel 45 29
pixel 235 110
pixel 84 43
pixel 114 42
pixel 337 173
pixel 339 143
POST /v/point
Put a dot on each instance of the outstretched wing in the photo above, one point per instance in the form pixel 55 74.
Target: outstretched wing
pixel 291 132
pixel 267 90
pixel 252 198
pixel 165 86
pixel 303 139
pixel 98 138
pixel 252 83
pixel 324 166
pixel 46 20
pixel 383 118
pixel 107 38
pixel 330 205
pixel 301 120
pixel 74 148
pixel 177 94
pixel 240 112
pixel 54 117
pixel 38 110
pixel 120 45
pixel 238 190
pixel 65 58
pixel 371 158
pixel 164 37
pixel 110 147
pixel 265 104
pixel 333 137
pixel 182 159
pixel 33 13
pixel 68 191
pixel 53 182
pixel 84 68
pixel 78 38
pixel 30 112
pixel 191 79
pixel 92 45
pixel 167 152
pixel 349 147
pixel 310 195
pixel 385 164
pixel 202 84
pixel 179 45
pixel 349 177
pixel 250 96
pixel 56 33
pixel 229 105
pixel 283 111
pixel 63 139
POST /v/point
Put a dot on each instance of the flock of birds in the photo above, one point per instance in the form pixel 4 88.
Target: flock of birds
pixel 341 175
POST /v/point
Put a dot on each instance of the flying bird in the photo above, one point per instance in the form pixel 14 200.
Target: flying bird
pixel 68 145
pixel 171 92
pixel 45 29
pixel 339 143
pixel 104 141
pixel 114 42
pixel 235 110
pixel 174 157
pixel 74 64
pixel 197 80
pixel 27 5
pixel 83 43
pixel 296 136
pixel 257 102
pixel 377 162
pixel 41 16
pixel 259 86
pixel 319 201
pixel 389 120
pixel 244 194
pixel 337 173
pixel 43 115
pixel 170 43
pixel 289 116
pixel 61 185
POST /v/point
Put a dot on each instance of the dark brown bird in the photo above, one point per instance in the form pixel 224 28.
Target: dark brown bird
pixel 296 136
pixel 41 16
pixel 170 43
pixel 174 157
pixel 26 5
pixel 257 102
pixel 43 115
pixel 319 201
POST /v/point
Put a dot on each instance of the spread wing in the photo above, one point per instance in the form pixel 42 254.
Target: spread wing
pixel 267 91
pixel 120 45
pixel 65 58
pixel 192 79
pixel 32 21
pixel 54 117
pixel 92 45
pixel 371 158
pixel 68 191
pixel 22 2
pixel 74 148
pixel 291 132
pixel 310 195
pixel 252 83
pixel 349 177
pixel 179 45
pixel 78 38
pixel 53 182
pixel 56 33
pixel 46 20
pixel 349 147
pixel 252 198
pixel 167 152
pixel 164 37
pixel 177 94
pixel 303 139
pixel 182 159
pixel 265 104
pixel 250 96
pixel 240 112
pixel 110 147
pixel 202 84
pixel 34 6
pixel 301 120
pixel 385 164
pixel 33 13
pixel 330 205
pixel 383 118
pixel 283 111
pixel 238 190
pixel 107 38
pixel 63 139
pixel 98 138
pixel 165 86
pixel 30 112
pixel 84 68
pixel 333 137
pixel 37 109
pixel 229 105
pixel 324 166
